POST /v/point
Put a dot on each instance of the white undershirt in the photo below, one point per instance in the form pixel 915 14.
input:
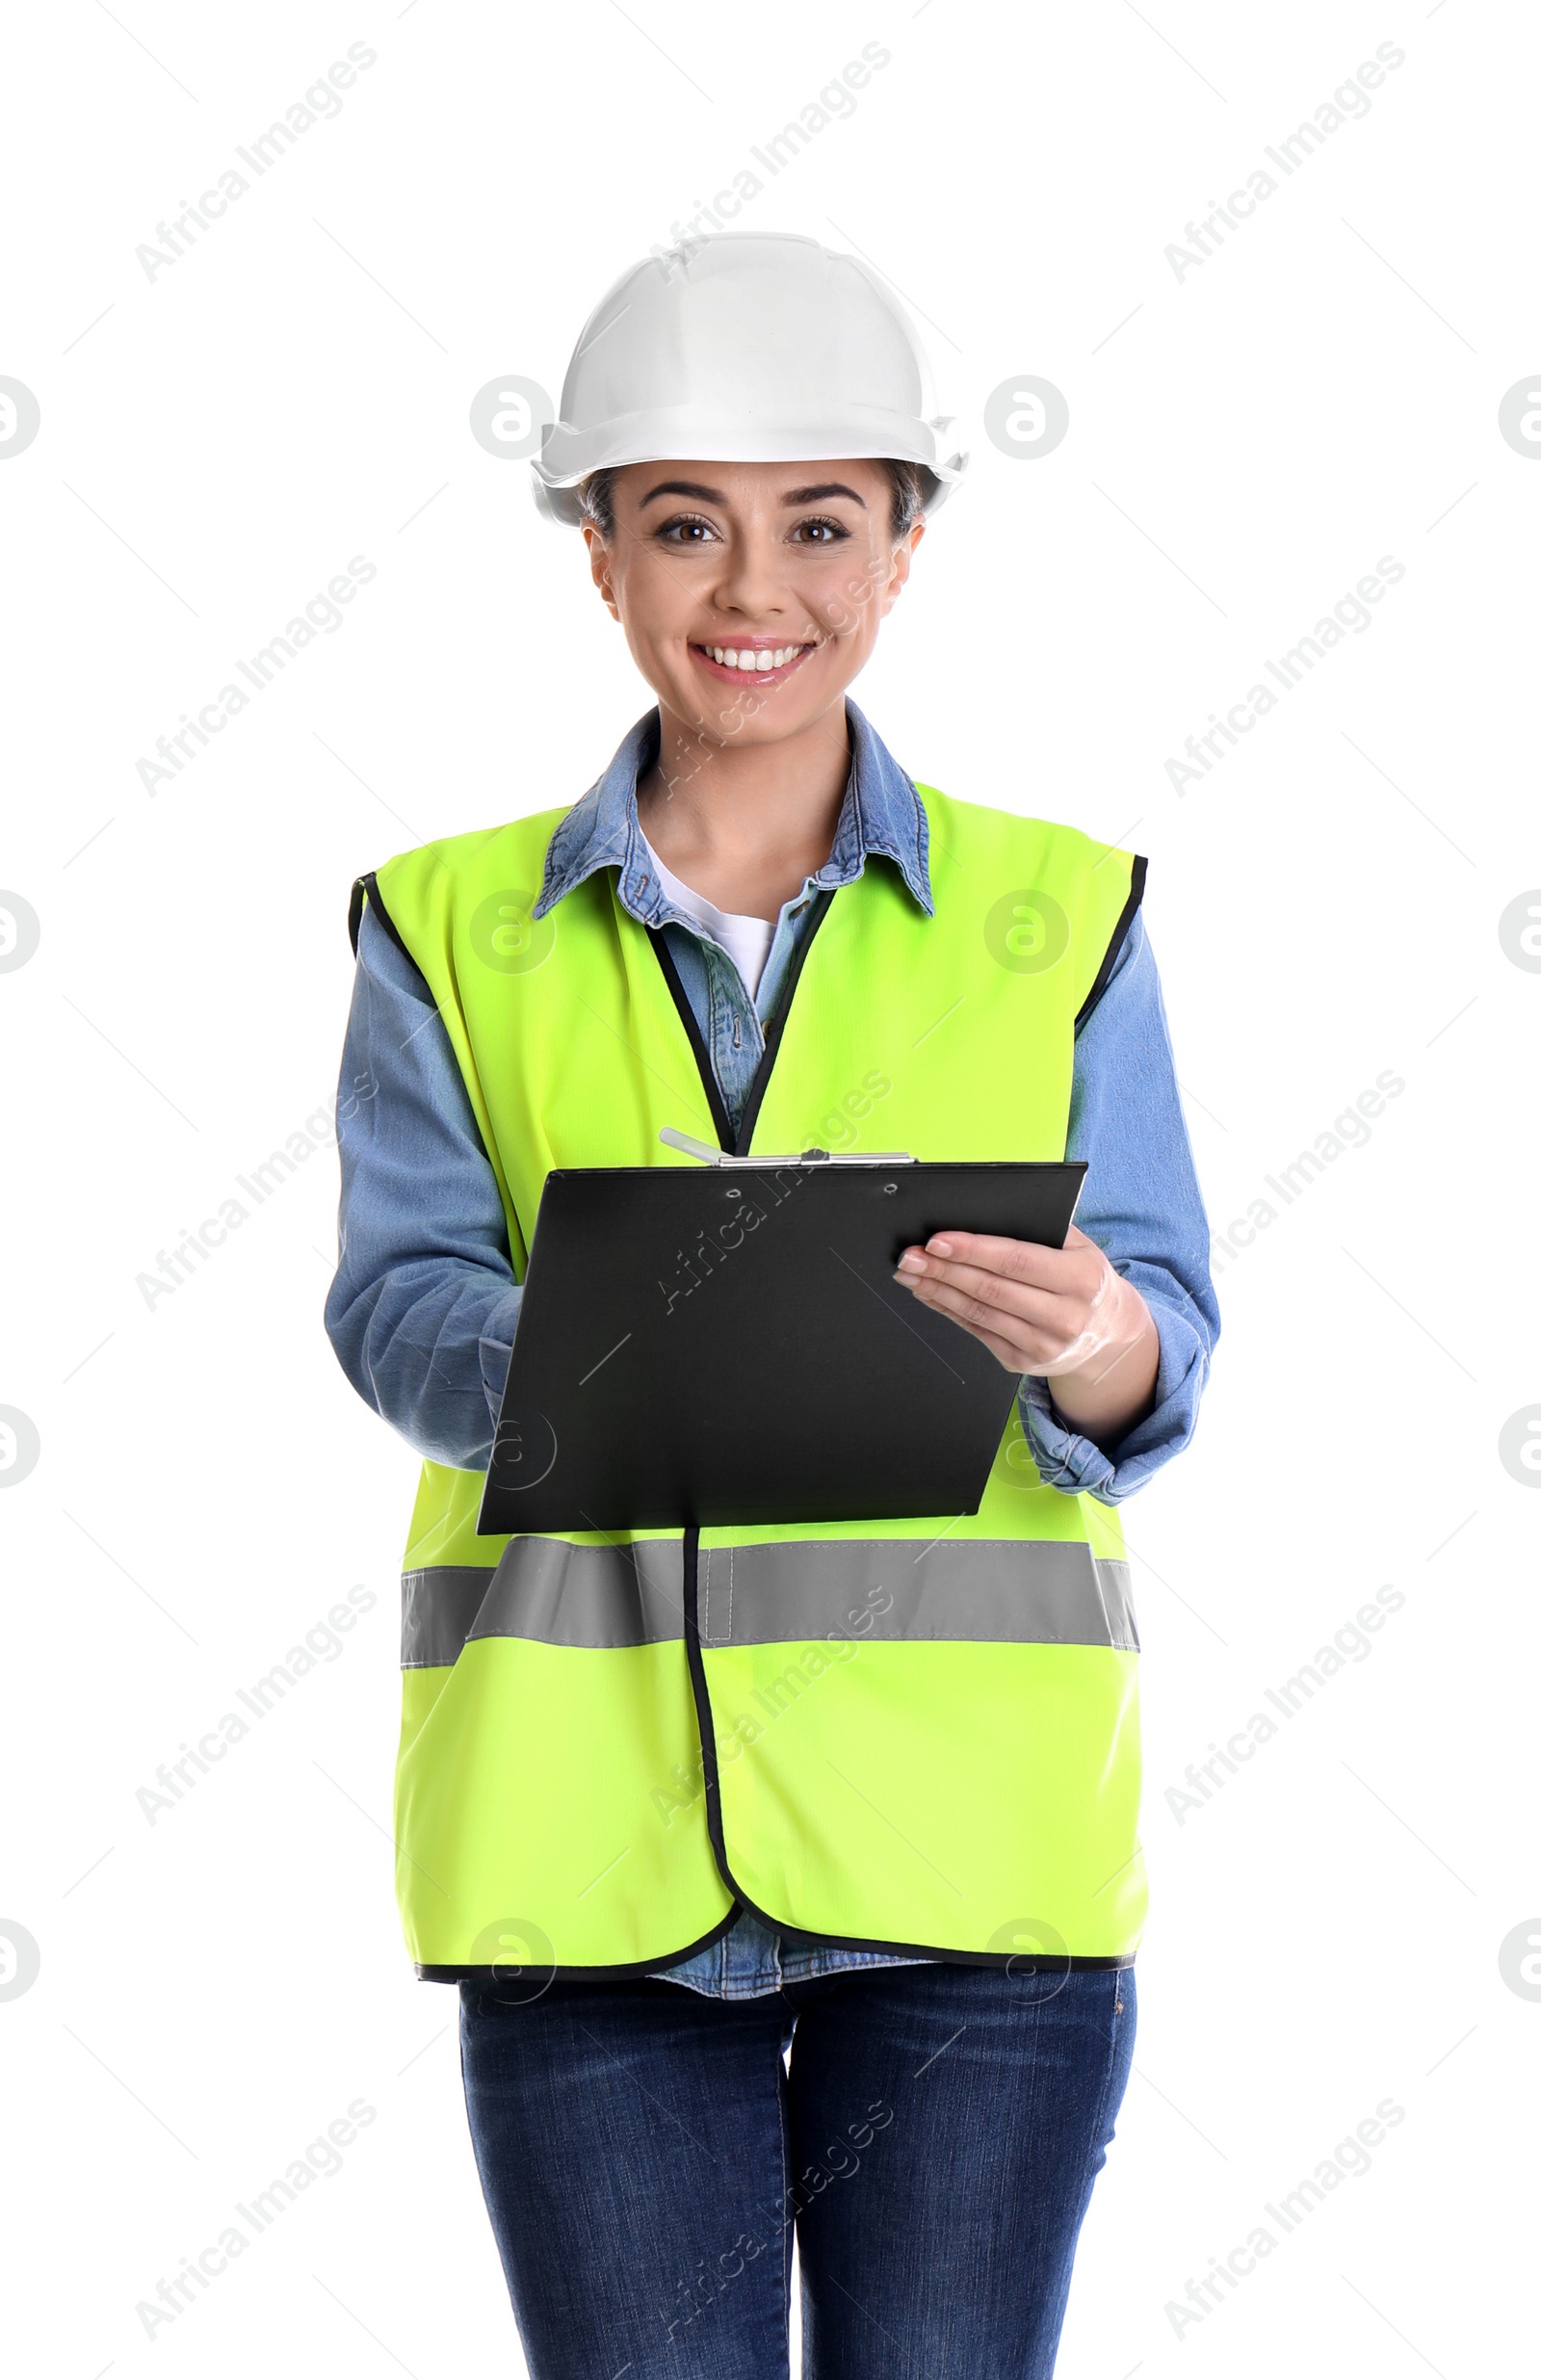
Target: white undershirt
pixel 746 940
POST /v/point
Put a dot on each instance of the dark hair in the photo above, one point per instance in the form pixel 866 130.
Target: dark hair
pixel 596 493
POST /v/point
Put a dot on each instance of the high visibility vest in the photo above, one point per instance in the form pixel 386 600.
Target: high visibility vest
pixel 913 1735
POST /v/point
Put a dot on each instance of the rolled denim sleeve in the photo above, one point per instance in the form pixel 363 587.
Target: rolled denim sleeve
pixel 1142 1206
pixel 422 1309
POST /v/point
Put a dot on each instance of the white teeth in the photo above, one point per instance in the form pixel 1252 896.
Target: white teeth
pixel 728 657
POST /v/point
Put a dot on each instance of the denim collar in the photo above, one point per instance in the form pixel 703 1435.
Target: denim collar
pixel 881 812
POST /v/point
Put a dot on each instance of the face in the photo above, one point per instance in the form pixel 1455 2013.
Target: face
pixel 750 592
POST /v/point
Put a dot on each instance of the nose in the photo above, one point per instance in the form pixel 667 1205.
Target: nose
pixel 750 580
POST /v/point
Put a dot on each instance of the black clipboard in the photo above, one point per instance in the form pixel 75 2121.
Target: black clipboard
pixel 705 1346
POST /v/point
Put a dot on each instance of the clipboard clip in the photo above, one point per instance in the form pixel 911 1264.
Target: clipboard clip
pixel 709 1156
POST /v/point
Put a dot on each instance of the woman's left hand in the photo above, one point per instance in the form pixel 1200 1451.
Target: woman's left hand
pixel 1061 1314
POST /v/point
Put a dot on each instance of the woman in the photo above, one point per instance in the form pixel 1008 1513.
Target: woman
pixel 672 1804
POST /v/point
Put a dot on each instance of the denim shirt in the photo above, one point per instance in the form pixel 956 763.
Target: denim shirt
pixel 422 1307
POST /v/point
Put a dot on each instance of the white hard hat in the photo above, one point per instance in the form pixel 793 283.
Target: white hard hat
pixel 744 346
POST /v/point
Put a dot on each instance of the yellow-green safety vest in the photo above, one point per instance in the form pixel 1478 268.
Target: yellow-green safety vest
pixel 910 1735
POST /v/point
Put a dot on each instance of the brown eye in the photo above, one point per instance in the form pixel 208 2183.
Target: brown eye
pixel 689 522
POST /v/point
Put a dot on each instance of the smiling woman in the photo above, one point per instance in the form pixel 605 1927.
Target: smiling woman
pixel 672 1804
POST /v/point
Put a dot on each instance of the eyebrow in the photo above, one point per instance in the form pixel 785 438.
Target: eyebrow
pixel 815 495
pixel 683 487
pixel 715 495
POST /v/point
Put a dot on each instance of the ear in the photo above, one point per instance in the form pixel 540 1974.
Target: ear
pixel 903 554
pixel 599 564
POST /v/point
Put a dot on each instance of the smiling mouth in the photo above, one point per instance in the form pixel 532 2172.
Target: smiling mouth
pixel 761 660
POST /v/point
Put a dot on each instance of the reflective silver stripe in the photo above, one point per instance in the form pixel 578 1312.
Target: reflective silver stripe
pixel 1005 1590
pixel 550 1591
pixel 994 1590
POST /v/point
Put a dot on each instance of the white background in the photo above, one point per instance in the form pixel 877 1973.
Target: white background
pixel 1245 443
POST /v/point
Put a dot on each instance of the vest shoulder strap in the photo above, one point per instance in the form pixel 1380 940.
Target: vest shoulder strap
pixel 1095 887
pixel 486 856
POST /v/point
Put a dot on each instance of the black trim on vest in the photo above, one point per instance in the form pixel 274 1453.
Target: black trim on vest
pixel 1126 918
pixel 1018 1962
pixel 363 884
pixel 772 1039
pixel 710 1778
pixel 488 1978
pixel 738 1147
pixel 709 1084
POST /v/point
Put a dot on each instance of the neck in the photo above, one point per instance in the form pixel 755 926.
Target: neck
pixel 744 824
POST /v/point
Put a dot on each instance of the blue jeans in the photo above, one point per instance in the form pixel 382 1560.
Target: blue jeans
pixel 935 2135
